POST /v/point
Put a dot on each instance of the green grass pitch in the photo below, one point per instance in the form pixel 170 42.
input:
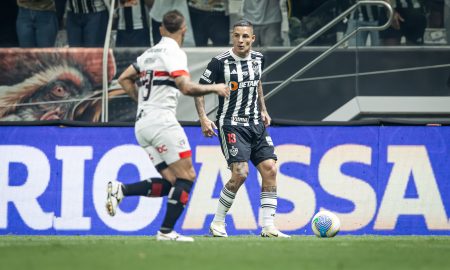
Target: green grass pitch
pixel 233 253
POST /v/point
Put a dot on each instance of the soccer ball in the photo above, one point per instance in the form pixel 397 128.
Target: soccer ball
pixel 325 224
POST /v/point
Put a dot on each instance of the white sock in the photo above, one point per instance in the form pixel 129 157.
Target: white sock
pixel 268 208
pixel 225 201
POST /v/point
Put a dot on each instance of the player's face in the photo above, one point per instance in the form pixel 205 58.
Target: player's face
pixel 243 38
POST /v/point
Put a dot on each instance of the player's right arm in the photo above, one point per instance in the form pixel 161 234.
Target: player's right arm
pixel 208 126
pixel 176 64
pixel 191 88
pixel 210 76
pixel 127 81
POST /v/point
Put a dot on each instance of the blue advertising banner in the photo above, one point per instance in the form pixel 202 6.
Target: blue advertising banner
pixel 377 180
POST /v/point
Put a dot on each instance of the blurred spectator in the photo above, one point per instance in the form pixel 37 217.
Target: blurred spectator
pixel 87 21
pixel 409 21
pixel 435 12
pixel 308 16
pixel 210 20
pixel 8 17
pixel 365 15
pixel 161 7
pixel 447 19
pixel 133 26
pixel 265 15
pixel 303 8
pixel 37 24
pixel 60 11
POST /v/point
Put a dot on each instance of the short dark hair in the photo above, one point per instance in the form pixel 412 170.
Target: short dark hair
pixel 243 23
pixel 173 20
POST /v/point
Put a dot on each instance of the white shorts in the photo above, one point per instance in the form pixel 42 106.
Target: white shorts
pixel 162 137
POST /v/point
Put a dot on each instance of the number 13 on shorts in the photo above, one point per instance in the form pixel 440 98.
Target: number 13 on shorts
pixel 231 138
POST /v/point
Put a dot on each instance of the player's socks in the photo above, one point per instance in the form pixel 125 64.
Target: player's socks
pixel 151 187
pixel 225 201
pixel 268 208
pixel 176 201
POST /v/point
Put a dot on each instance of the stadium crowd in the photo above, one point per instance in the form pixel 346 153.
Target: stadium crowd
pixel 83 23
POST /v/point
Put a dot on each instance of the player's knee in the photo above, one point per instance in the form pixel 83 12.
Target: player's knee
pixel 191 175
pixel 269 169
pixel 241 174
pixel 183 169
pixel 166 173
pixel 188 174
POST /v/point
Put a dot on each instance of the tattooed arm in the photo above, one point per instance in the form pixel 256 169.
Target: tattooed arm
pixel 262 106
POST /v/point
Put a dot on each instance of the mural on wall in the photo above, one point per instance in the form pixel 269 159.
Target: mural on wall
pixel 66 84
pixel 53 84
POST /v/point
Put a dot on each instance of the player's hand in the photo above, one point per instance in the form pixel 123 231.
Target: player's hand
pixel 266 118
pixel 222 90
pixel 208 127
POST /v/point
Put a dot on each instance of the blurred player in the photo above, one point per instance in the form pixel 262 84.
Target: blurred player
pixel 162 72
pixel 242 120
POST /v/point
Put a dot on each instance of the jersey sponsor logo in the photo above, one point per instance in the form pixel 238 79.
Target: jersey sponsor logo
pixel 234 151
pixel 235 85
pixel 240 119
pixel 207 73
pixel 161 149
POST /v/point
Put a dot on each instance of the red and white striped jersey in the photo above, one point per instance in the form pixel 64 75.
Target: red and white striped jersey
pixel 158 67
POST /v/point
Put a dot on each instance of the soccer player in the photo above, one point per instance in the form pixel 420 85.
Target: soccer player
pixel 242 120
pixel 162 73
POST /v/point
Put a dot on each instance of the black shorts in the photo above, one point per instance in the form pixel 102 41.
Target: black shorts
pixel 244 143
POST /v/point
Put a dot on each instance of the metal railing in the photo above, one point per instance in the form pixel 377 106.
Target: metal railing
pixel 329 50
pixel 105 86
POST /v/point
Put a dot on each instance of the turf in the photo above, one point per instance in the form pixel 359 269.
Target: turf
pixel 236 252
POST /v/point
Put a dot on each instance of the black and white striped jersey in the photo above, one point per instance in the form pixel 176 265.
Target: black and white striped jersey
pixel 407 4
pixel 86 6
pixel 134 17
pixel 243 75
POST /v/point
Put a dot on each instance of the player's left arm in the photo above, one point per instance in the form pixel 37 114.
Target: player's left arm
pixel 127 81
pixel 262 106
